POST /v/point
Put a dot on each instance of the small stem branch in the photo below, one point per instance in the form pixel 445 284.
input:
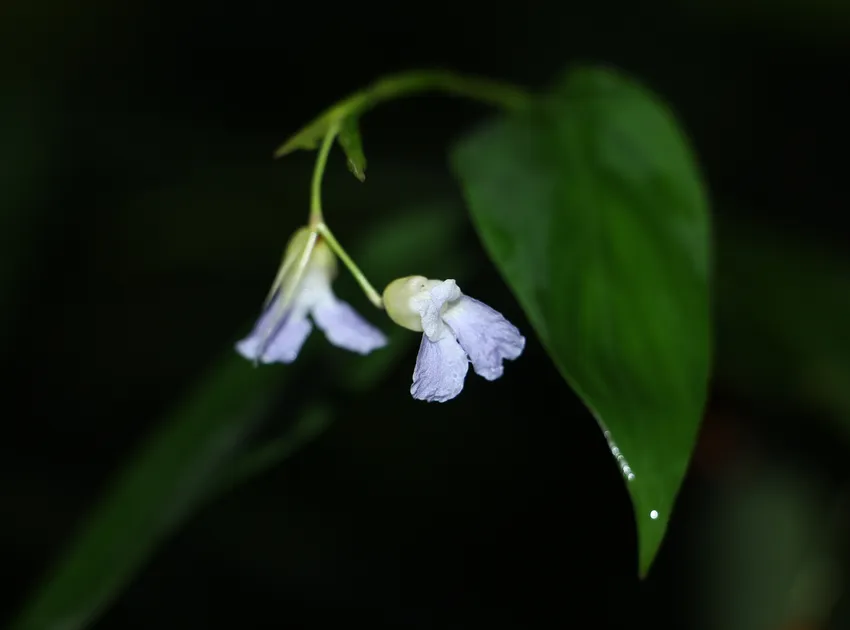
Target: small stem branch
pixel 337 249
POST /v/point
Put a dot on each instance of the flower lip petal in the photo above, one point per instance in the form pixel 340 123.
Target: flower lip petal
pixel 282 344
pixel 285 346
pixel 485 335
pixel 268 324
pixel 345 328
pixel 440 370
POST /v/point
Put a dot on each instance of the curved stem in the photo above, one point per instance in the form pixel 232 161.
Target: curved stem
pixel 337 249
pixel 497 93
pixel 318 173
pixel 484 90
pixel 487 91
pixel 318 227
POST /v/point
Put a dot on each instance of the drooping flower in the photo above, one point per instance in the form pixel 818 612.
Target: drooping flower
pixel 283 327
pixel 457 330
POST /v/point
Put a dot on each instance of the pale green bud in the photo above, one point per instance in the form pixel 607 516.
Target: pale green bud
pixel 401 297
pixel 322 257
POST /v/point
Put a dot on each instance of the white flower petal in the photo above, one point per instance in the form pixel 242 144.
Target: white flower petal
pixel 430 306
pixel 440 369
pixel 272 317
pixel 280 333
pixel 282 344
pixel 486 336
pixel 345 328
pixel 287 343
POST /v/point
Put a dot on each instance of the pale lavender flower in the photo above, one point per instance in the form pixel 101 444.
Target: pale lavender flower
pixel 457 330
pixel 282 329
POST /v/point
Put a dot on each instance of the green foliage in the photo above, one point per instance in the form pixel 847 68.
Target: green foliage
pixel 592 207
pixel 194 456
pixel 352 144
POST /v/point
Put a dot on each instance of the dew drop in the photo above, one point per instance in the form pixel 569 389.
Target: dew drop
pixel 618 455
pixel 653 514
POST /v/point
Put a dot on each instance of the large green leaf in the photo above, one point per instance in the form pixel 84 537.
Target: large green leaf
pixel 593 209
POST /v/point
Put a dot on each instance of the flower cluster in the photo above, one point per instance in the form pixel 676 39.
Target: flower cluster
pixel 456 329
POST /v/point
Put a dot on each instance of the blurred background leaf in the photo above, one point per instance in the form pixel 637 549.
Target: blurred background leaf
pixel 824 23
pixel 784 343
pixel 775 506
pixel 155 494
pixel 191 456
pixel 25 126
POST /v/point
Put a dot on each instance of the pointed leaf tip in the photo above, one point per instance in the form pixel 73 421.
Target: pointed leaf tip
pixel 307 138
pixel 352 144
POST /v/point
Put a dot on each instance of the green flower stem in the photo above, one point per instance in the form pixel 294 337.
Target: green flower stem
pixel 496 93
pixel 367 287
pixel 318 173
pixel 318 227
pixel 394 86
pixel 478 89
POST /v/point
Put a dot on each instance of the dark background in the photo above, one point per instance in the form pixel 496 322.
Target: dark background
pixel 143 219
